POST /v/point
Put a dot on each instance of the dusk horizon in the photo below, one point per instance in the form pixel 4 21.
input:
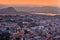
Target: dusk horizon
pixel 31 2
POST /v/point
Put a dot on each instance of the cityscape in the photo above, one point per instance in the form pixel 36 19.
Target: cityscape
pixel 29 19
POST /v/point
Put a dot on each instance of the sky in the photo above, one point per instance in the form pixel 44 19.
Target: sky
pixel 31 2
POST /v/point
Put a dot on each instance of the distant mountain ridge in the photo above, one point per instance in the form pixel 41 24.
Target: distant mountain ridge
pixel 11 10
pixel 45 9
pixel 29 10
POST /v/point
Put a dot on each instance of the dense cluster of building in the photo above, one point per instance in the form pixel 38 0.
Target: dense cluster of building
pixel 31 27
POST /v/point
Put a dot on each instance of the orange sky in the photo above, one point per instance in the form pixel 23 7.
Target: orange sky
pixel 31 2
